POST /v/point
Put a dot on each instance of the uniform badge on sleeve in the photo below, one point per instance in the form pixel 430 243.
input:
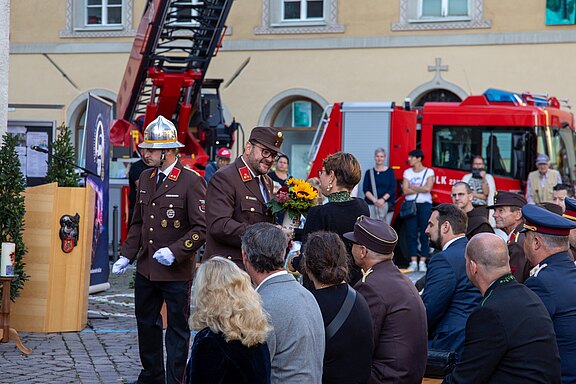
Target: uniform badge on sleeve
pixel 245 174
pixel 202 205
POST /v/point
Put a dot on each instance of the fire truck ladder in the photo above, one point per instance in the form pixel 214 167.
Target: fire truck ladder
pixel 319 135
pixel 181 44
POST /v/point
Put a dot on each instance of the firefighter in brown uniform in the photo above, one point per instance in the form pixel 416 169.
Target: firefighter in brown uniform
pixel 508 216
pixel 237 195
pixel 167 229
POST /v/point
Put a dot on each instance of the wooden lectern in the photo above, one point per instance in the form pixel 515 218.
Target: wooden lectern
pixel 55 298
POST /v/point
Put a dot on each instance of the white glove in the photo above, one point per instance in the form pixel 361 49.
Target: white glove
pixel 120 266
pixel 164 256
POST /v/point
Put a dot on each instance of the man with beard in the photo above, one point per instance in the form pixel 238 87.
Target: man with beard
pixel 449 297
pixel 237 195
pixel 477 217
pixel 508 216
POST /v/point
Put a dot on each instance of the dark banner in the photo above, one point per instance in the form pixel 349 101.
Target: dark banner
pixel 97 133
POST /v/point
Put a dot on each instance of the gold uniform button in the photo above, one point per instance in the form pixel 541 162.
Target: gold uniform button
pixel 151 241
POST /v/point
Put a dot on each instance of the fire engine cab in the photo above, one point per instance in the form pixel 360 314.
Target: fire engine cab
pixel 508 129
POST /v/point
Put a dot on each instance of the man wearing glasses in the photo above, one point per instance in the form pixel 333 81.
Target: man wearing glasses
pixel 237 195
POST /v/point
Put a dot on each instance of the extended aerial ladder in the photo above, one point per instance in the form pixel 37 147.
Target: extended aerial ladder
pixel 174 44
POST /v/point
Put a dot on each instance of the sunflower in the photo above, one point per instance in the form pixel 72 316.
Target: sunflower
pixel 303 190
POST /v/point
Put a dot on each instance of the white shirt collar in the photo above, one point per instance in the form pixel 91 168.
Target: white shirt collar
pixel 249 169
pixel 451 241
pixel 169 169
pixel 271 276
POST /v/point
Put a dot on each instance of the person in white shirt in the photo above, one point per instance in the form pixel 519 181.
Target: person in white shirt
pixel 416 185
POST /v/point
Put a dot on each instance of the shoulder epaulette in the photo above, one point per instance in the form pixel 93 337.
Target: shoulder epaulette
pixel 536 270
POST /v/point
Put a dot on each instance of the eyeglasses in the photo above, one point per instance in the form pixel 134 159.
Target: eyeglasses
pixel 266 153
pixel 320 172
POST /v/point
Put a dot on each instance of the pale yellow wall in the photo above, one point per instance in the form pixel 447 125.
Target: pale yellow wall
pixel 390 74
pixel 336 75
pixel 36 20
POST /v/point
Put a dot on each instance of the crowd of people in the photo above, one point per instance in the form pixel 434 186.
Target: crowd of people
pixel 501 306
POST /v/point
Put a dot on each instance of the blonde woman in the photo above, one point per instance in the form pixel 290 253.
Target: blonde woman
pixel 230 345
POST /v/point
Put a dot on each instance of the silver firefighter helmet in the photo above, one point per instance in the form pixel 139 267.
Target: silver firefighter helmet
pixel 160 134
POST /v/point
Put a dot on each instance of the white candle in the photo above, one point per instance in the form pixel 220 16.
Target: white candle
pixel 7 260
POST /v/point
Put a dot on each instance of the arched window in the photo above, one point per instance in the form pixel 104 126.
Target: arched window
pixel 442 95
pixel 296 113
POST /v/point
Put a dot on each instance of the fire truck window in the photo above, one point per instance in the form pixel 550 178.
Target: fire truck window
pixel 454 147
pixel 559 156
pixel 498 152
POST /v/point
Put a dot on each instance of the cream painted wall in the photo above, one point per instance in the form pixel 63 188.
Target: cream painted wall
pixel 391 74
pixel 336 75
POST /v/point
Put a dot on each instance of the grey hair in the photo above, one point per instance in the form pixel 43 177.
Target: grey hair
pixel 265 246
pixel 379 150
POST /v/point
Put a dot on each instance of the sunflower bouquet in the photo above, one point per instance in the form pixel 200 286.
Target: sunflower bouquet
pixel 294 198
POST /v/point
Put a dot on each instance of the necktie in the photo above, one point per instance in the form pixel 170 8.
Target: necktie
pixel 263 188
pixel 161 177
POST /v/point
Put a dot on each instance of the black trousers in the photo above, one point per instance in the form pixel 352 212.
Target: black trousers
pixel 149 296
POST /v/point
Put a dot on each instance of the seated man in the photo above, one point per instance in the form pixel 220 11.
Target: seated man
pixel 297 341
pixel 397 311
pixel 477 217
pixel 553 278
pixel 448 295
pixel 509 337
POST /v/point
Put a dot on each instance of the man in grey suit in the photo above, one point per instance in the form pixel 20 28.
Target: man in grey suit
pixel 296 342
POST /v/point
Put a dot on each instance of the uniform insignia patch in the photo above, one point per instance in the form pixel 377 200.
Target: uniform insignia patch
pixel 170 213
pixel 188 243
pixel 153 174
pixel 174 174
pixel 164 223
pixel 176 224
pixel 245 174
pixel 536 270
pixel 202 205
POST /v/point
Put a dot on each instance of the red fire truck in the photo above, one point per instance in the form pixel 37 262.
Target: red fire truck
pixel 165 75
pixel 508 129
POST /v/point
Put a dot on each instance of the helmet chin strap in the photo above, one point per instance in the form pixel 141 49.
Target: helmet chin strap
pixel 162 158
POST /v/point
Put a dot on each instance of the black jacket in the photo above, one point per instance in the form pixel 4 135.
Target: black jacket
pixel 509 339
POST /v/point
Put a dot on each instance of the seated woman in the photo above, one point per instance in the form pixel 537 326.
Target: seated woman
pixel 348 354
pixel 230 345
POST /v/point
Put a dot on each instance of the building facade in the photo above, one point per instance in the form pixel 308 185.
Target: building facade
pixel 284 61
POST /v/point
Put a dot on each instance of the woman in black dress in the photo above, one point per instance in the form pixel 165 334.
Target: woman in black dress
pixel 348 354
pixel 230 346
pixel 339 175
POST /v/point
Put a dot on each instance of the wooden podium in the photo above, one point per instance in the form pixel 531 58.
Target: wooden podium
pixel 55 298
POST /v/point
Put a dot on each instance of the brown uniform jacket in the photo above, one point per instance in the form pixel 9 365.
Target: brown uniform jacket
pixel 399 324
pixel 518 263
pixel 172 216
pixel 233 202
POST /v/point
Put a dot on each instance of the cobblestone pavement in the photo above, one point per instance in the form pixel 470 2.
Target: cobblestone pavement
pixel 106 351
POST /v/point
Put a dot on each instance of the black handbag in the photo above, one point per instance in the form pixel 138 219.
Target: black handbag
pixel 439 363
pixel 408 207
